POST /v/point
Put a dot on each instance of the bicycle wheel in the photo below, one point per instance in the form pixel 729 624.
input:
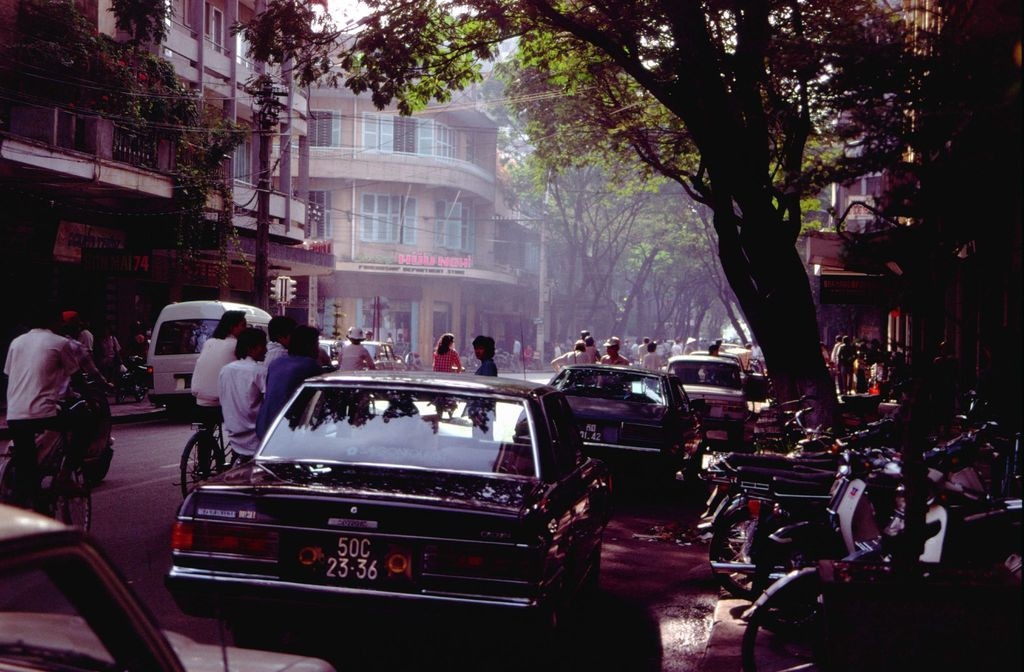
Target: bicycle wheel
pixel 785 630
pixel 72 502
pixel 197 460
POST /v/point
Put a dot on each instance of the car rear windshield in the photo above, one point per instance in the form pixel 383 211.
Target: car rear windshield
pixel 707 373
pixel 424 429
pixel 621 384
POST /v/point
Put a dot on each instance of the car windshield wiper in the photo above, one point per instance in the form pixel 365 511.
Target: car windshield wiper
pixel 54 660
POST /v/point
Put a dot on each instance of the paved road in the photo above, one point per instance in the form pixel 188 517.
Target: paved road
pixel 654 612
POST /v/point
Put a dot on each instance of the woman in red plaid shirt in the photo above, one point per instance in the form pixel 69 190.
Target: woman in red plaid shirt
pixel 445 357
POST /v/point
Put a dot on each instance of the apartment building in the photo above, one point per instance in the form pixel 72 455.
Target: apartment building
pixel 89 218
pixel 411 206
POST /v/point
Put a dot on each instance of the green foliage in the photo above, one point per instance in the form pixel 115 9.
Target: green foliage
pixel 58 58
pixel 144 20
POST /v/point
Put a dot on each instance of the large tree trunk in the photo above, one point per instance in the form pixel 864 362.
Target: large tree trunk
pixel 770 283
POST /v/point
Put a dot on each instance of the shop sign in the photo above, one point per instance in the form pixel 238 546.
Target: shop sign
pixel 434 260
pixel 851 288
pixel 115 262
pixel 73 237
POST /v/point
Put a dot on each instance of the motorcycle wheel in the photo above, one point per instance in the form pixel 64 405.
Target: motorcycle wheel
pixel 785 631
pixel 96 469
pixel 140 393
pixel 731 540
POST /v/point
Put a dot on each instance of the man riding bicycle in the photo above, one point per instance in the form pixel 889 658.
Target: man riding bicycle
pixel 39 367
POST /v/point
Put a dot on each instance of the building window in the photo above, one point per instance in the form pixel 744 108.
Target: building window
pixel 241 164
pixel 407 135
pixel 378 133
pixel 324 128
pixel 318 215
pixel 444 141
pixel 454 230
pixel 386 218
pixel 214 27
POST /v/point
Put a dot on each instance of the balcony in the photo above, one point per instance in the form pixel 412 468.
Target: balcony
pixel 87 154
pixel 356 164
pixel 282 209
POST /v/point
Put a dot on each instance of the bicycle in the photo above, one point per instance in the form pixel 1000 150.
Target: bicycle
pixel 205 455
pixel 64 493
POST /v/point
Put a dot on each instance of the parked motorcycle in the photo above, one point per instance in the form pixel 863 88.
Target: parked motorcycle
pixel 134 381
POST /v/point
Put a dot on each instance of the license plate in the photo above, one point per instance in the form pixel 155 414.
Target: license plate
pixel 350 559
pixel 595 434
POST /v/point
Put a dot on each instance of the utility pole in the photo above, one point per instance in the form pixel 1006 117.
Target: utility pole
pixel 267 115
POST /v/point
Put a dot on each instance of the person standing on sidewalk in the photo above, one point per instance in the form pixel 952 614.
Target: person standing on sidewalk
pixel 446 357
pixel 39 367
pixel 483 348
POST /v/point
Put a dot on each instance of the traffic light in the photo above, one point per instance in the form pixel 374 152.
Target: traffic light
pixel 289 290
pixel 275 290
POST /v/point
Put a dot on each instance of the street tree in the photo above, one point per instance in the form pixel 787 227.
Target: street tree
pixel 718 96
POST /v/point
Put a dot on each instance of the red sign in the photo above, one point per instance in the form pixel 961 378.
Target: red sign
pixel 424 259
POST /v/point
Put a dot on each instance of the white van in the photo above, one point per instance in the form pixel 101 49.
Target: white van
pixel 177 338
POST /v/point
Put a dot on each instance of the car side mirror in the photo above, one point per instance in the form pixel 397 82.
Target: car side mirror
pixel 699 406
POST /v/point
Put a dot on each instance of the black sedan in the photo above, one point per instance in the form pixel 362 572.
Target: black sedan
pixel 394 494
pixel 632 417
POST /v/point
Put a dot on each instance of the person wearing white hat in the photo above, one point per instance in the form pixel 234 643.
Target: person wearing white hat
pixel 354 356
pixel 612 356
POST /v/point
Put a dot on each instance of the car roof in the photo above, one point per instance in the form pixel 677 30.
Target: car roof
pixel 613 368
pixel 16 523
pixel 457 382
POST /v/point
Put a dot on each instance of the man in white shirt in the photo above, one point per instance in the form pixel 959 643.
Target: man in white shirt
pixel 39 365
pixel 241 386
pixel 578 355
pixel 279 333
pixel 353 356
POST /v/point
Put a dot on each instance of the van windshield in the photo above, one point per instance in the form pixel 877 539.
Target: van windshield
pixel 183 337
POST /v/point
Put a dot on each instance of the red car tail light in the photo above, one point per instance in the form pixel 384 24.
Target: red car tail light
pixel 223 538
pixel 497 563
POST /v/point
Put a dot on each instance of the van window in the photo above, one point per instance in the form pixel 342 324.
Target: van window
pixel 183 337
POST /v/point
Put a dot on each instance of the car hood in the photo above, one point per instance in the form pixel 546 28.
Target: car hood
pixel 62 632
pixel 452 489
pixel 610 409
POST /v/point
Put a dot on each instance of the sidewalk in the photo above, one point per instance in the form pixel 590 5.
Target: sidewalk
pixel 725 644
pixel 129 411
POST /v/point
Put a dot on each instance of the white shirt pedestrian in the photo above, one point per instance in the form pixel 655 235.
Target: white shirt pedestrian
pixel 241 386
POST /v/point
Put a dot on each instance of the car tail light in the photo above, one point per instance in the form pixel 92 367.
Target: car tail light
pixel 754 507
pixel 206 537
pixel 491 563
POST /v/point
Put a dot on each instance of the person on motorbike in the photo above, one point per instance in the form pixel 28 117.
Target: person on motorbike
pixel 39 367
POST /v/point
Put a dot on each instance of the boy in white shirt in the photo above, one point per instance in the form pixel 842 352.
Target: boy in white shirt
pixel 242 384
